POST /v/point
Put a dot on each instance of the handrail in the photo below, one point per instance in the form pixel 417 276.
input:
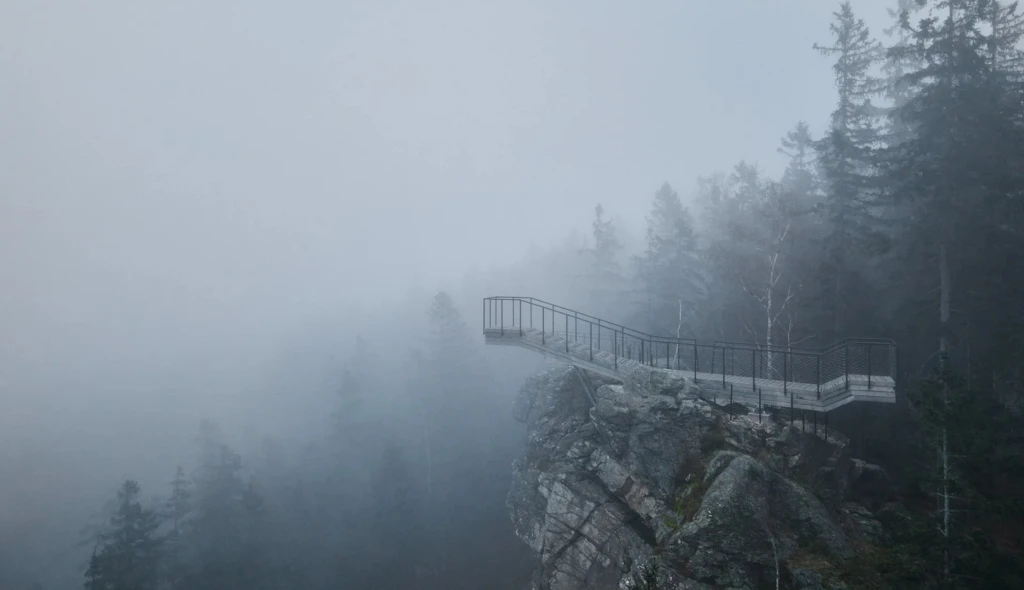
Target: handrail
pixel 582 315
pixel 783 347
pixel 824 368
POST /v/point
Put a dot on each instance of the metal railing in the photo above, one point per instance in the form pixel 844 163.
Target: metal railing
pixel 826 372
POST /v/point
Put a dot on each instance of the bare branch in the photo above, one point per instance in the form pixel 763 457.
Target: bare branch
pixel 752 332
pixel 804 339
pixel 751 293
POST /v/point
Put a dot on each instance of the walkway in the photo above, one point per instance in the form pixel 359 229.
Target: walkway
pixel 801 379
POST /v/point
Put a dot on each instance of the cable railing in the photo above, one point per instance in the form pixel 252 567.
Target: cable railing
pixel 827 372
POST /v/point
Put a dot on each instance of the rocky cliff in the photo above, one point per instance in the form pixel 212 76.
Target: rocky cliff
pixel 654 484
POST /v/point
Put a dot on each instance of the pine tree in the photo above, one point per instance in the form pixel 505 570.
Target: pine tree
pixel 128 554
pixel 801 175
pixel 949 425
pixel 176 513
pixel 604 280
pixel 348 420
pixel 671 267
pixel 801 187
pixel 448 339
pixel 753 274
pixel 1006 24
pixel 897 64
pixel 959 175
pixel 733 235
pixel 455 401
pixel 259 568
pixel 847 154
pixel 224 530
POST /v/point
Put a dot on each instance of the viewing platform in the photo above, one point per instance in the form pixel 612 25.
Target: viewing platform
pixel 851 370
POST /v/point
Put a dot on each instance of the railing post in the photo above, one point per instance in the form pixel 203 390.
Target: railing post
pixel 785 388
pixel 791 411
pixel 575 327
pixel 599 334
pixel 643 357
pixel 817 375
pixel 520 317
pixel 501 315
pixel 591 340
pixel 723 375
pixel 615 349
pixel 846 364
pixel 543 327
pixel 869 365
pixel 566 333
pixel 694 362
pixel 894 364
pixel 531 315
pixel 753 373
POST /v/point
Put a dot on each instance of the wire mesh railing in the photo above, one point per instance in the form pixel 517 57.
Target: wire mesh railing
pixel 860 362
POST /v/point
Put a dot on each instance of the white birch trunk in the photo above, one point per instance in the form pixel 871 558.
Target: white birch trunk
pixel 679 329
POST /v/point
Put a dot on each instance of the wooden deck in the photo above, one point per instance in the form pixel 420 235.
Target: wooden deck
pixel 742 389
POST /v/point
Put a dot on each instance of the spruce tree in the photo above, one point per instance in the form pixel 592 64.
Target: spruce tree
pixel 801 187
pixel 801 175
pixel 670 266
pixel 176 513
pixel 734 232
pixel 847 153
pixel 604 280
pixel 959 175
pixel 898 88
pixel 225 529
pixel 398 539
pixel 128 554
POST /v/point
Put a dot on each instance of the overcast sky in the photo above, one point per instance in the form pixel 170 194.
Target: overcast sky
pixel 252 149
pixel 181 177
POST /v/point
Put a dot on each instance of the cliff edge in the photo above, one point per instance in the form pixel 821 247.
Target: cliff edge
pixel 651 484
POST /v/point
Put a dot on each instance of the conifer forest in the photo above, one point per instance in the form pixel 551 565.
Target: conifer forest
pixel 221 374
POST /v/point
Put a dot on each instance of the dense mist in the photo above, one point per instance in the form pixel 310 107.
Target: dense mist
pixel 244 245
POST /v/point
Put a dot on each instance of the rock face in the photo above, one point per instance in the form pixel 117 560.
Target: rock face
pixel 648 484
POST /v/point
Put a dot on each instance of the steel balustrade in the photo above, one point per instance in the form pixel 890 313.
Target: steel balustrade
pixel 863 364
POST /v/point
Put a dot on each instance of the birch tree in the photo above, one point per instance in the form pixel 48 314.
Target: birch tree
pixel 770 283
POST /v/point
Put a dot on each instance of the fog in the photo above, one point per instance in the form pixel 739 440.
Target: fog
pixel 202 203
